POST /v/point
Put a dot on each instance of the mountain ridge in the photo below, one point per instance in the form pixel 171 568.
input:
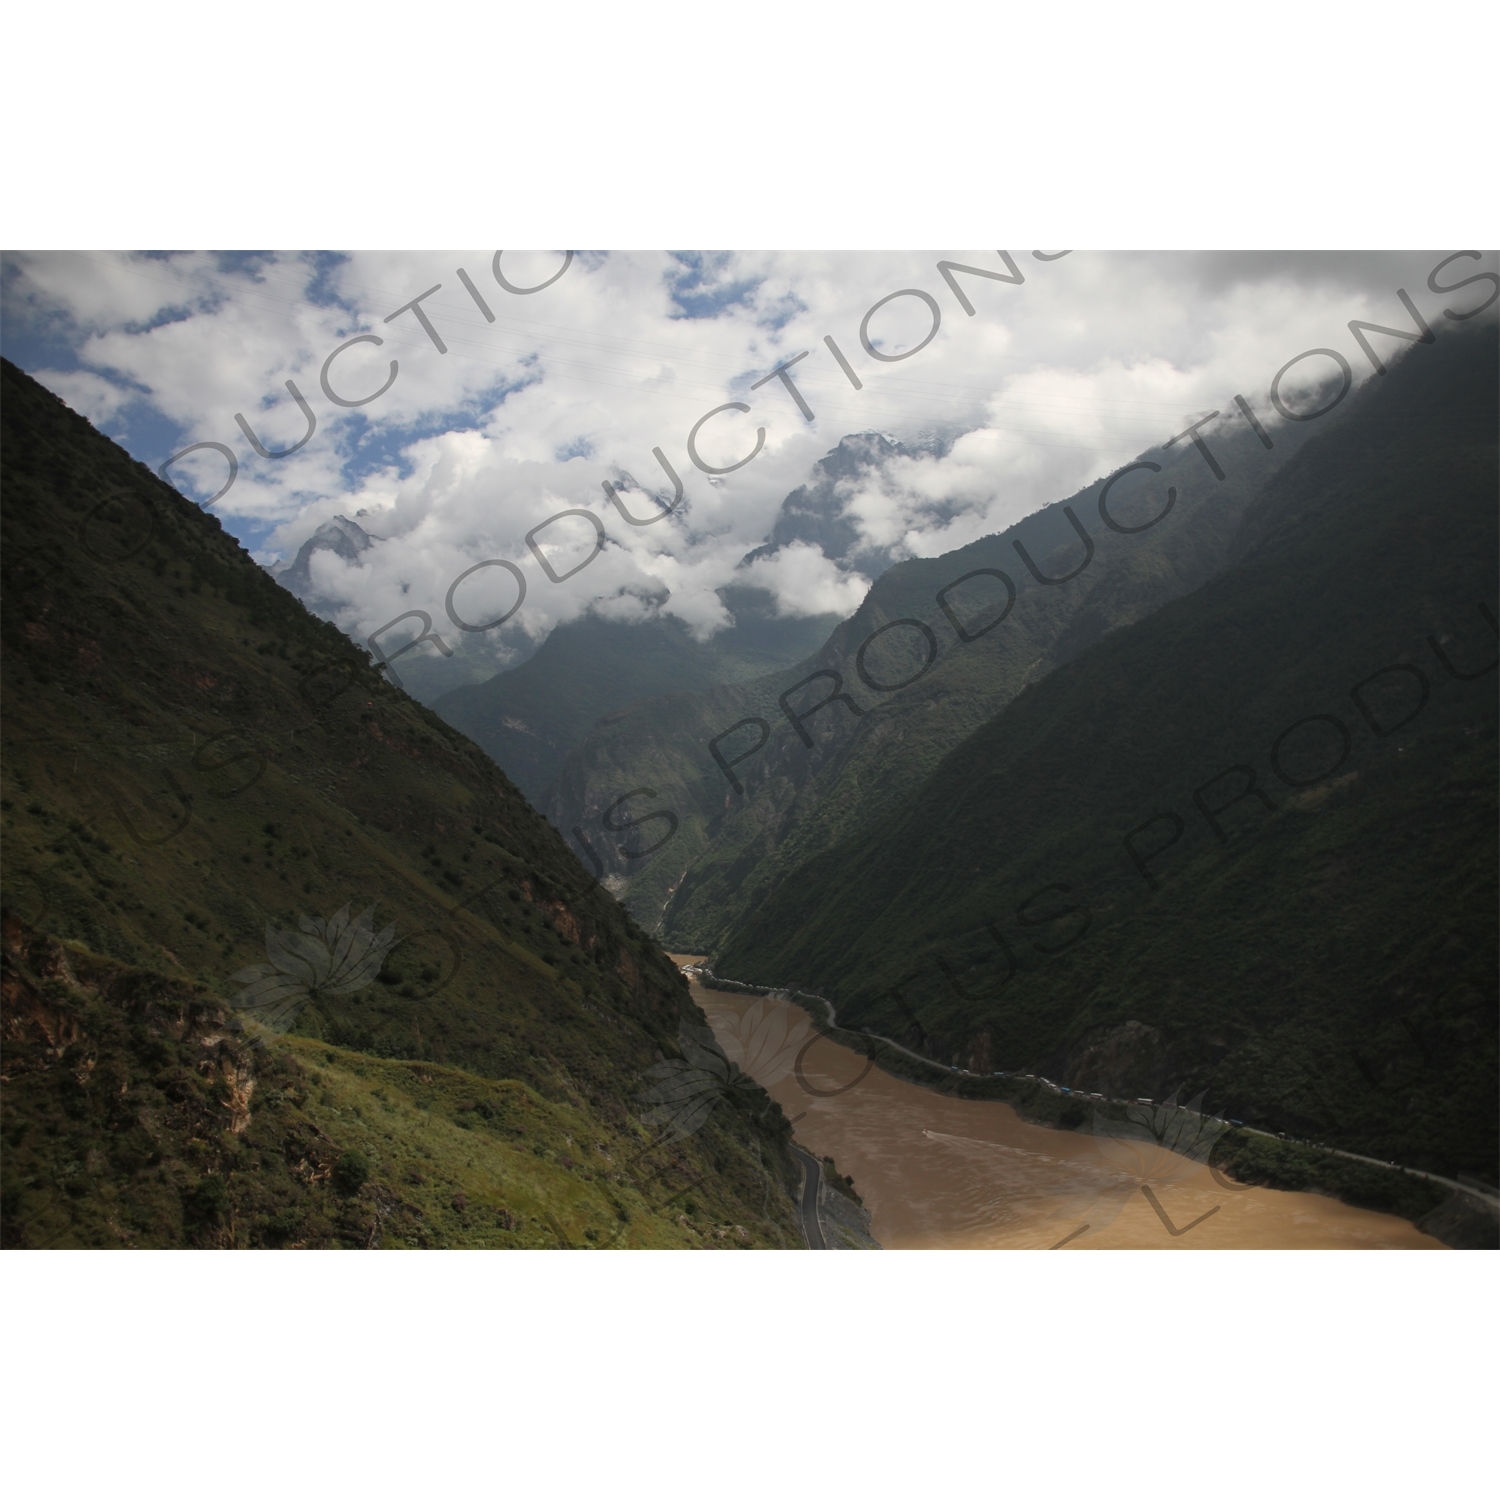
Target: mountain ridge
pixel 1180 858
pixel 193 764
pixel 739 830
pixel 528 718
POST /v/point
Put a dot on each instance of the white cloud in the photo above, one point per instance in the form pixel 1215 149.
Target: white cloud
pixel 807 583
pixel 1047 386
pixel 89 394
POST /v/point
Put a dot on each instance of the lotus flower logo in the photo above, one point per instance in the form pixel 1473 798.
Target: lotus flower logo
pixel 336 957
pixel 687 1088
pixel 1153 1146
pixel 766 1040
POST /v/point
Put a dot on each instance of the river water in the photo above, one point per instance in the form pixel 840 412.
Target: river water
pixel 966 1174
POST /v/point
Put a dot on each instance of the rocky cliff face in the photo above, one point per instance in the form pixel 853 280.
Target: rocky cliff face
pixel 128 1098
pixel 1121 1062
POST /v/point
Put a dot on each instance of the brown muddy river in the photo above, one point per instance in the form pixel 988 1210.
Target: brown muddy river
pixel 965 1174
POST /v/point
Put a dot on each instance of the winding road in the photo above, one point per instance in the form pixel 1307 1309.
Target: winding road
pixel 1485 1197
pixel 807 1210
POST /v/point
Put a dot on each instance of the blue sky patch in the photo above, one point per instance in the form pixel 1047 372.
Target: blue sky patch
pixel 697 287
pixel 776 315
pixel 320 289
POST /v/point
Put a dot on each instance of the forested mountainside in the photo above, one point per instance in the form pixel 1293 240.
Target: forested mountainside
pixel 1247 844
pixel 530 717
pixel 723 835
pixel 205 790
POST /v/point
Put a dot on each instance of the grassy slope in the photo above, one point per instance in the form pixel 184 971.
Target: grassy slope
pixel 730 849
pixel 191 756
pixel 140 1112
pixel 1329 971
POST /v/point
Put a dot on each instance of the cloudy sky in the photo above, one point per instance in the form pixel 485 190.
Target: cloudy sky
pixel 536 398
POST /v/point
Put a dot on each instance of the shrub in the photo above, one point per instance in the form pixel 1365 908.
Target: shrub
pixel 280 1227
pixel 351 1172
pixel 208 1200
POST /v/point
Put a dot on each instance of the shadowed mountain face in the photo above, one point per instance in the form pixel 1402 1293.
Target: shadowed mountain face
pixel 220 822
pixel 1245 844
pixel 530 717
pixel 937 648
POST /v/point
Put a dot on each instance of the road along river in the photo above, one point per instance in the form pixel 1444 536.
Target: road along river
pixel 967 1174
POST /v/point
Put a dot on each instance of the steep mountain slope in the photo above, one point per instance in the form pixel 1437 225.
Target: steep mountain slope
pixel 1247 844
pixel 141 1112
pixel 529 718
pixel 200 776
pixel 911 694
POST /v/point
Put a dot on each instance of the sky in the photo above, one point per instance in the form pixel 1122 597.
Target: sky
pixel 526 380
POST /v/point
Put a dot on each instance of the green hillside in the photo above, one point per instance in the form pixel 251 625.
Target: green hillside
pixel 199 775
pixel 732 846
pixel 1319 953
pixel 187 1129
pixel 528 719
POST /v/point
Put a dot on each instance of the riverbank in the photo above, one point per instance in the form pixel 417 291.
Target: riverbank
pixel 1243 1161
